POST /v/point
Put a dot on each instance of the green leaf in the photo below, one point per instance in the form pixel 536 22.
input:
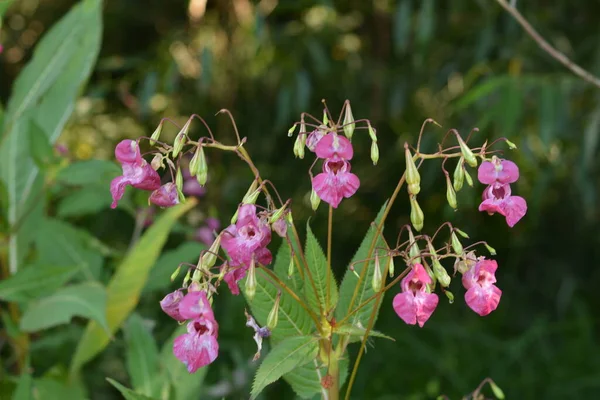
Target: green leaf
pixel 360 332
pixel 44 92
pixel 480 91
pixel 4 5
pixel 283 358
pixel 86 300
pixel 34 281
pixel 88 172
pixel 185 385
pixel 160 274
pixel 350 281
pixel 127 393
pixel 141 355
pixel 87 200
pixel 126 284
pixel 317 264
pixel 402 26
pixel 50 388
pixel 23 389
pixel 40 147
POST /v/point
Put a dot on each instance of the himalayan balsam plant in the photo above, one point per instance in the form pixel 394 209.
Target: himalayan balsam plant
pixel 294 298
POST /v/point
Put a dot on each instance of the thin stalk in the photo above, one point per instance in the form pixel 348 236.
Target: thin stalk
pixel 329 271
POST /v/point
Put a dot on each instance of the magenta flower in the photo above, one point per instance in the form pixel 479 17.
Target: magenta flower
pixel 128 152
pixel 248 237
pixel 502 171
pixel 332 145
pixel 482 295
pixel 314 138
pixel 205 235
pixel 170 305
pixel 335 182
pixel 233 277
pixel 139 175
pixel 280 227
pixel 198 347
pixel 165 196
pixel 415 304
pixel 195 305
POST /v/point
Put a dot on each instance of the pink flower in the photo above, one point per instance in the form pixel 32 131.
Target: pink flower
pixel 248 237
pixel 332 145
pixel 280 227
pixel 198 347
pixel 212 223
pixel 335 182
pixel 482 295
pixel 315 136
pixel 165 196
pixel 139 175
pixel 497 199
pixel 233 277
pixel 195 305
pixel 415 304
pixel 502 171
pixel 170 305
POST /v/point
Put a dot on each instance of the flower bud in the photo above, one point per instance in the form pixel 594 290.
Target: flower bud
pixel 325 118
pixel 459 174
pixel 413 179
pixel 186 278
pixel 496 390
pixel 456 245
pixel 510 144
pixel 175 273
pixel 193 166
pixel 250 284
pixel 450 296
pixel 209 258
pixel 416 214
pixel 372 132
pixel 450 193
pixel 156 134
pixel 466 152
pixel 156 162
pixel 374 152
pixel 490 249
pixel 201 170
pixel 291 130
pixel 377 276
pixel 465 263
pixel 391 266
pixel 413 249
pixel 179 179
pixel 349 124
pixel 274 313
pixel 315 200
pixel 299 146
pixel 461 233
pixel 468 178
pixel 181 138
pixel 440 273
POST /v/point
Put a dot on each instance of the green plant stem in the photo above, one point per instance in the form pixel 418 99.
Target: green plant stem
pixel 329 271
pixel 334 373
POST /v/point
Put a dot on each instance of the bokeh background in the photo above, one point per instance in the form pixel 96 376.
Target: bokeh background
pixel 465 63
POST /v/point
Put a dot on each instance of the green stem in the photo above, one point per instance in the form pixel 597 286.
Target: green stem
pixel 334 373
pixel 329 271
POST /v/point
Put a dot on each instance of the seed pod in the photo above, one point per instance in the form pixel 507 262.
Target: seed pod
pixel 250 284
pixel 414 251
pixel 416 214
pixel 274 313
pixel 377 276
pixel 467 153
pixel 459 174
pixel 374 153
pixel 315 200
pixel 156 134
pixel 349 124
pixel 456 245
pixel 413 179
pixel 450 193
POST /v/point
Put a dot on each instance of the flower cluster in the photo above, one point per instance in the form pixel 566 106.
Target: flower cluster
pixel 498 174
pixel 198 347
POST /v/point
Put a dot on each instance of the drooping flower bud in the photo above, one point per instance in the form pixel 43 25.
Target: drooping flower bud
pixel 291 267
pixel 291 130
pixel 450 193
pixel 413 249
pixel 181 138
pixel 490 249
pixel 374 153
pixel 252 193
pixel 459 174
pixel 315 200
pixel 170 304
pixel 468 178
pixel 274 313
pixel 156 134
pixel 510 144
pixel 179 179
pixel 201 171
pixel 250 284
pixel 440 272
pixel 377 276
pixel 186 278
pixel 456 245
pixel 193 165
pixel 450 296
pixel 156 162
pixel 209 258
pixel 325 118
pixel 467 152
pixel 416 214
pixel 413 179
pixel 461 233
pixel 175 273
pixel 299 146
pixel 349 124
pixel 391 266
pixel 372 132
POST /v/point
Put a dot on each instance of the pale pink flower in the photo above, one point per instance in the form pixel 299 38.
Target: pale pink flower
pixel 482 295
pixel 248 237
pixel 191 187
pixel 499 170
pixel 332 145
pixel 335 182
pixel 415 304
pixel 497 198
pixel 165 196
pixel 170 305
pixel 198 347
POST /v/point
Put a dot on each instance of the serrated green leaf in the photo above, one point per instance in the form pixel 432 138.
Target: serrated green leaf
pixel 350 281
pixel 86 300
pixel 141 355
pixel 348 330
pixel 88 172
pixel 44 92
pixel 35 281
pixel 127 393
pixel 283 358
pixel 317 264
pixel 127 283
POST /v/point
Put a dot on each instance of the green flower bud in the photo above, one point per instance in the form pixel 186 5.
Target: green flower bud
pixel 201 171
pixel 349 124
pixel 372 133
pixel 413 250
pixel 456 245
pixel 377 276
pixel 440 273
pixel 490 249
pixel 156 134
pixel 325 118
pixel 510 144
pixel 496 390
pixel 315 200
pixel 461 233
pixel 252 194
pixel 391 266
pixel 467 153
pixel 450 296
pixel 250 284
pixel 291 267
pixel 468 178
pixel 291 130
pixel 209 258
pixel 450 193
pixel 179 179
pixel 277 214
pixel 459 174
pixel 416 214
pixel 157 162
pixel 413 179
pixel 299 145
pixel 175 273
pixel 274 313
pixel 186 278
pixel 374 153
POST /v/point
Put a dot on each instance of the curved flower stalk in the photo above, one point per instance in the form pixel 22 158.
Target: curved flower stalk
pixel 297 302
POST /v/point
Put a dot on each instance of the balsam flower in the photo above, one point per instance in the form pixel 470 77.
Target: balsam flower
pixel 335 182
pixel 138 174
pixel 332 145
pixel 170 305
pixel 482 295
pixel 498 170
pixel 165 196
pixel 415 304
pixel 198 347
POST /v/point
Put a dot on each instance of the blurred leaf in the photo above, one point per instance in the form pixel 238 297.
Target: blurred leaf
pixel 60 243
pixel 160 274
pixel 10 327
pixel 480 91
pixel 317 264
pixel 350 281
pixel 360 332
pixel 141 355
pixel 426 22
pixel 86 300
pixel 402 26
pixel 510 108
pixel 35 281
pixel 88 172
pixel 284 357
pixel 40 147
pixel 87 200
pixel 4 5
pixel 126 284
pixel 127 393
pixel 49 388
pixel 44 92
pixel 185 385
pixel 23 390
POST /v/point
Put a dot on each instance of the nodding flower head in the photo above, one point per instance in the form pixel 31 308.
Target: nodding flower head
pixel 335 182
pixel 139 175
pixel 415 304
pixel 198 347
pixel 332 145
pixel 165 196
pixel 482 295
pixel 497 198
pixel 128 152
pixel 498 171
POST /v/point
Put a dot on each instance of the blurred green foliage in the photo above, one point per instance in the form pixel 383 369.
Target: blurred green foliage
pixel 464 63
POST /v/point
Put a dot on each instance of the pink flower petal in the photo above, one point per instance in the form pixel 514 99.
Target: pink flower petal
pixel 514 208
pixel 117 189
pixel 501 171
pixel 415 308
pixel 128 152
pixel 165 196
pixel 195 305
pixel 333 144
pixel 170 305
pixel 483 300
pixel 196 350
